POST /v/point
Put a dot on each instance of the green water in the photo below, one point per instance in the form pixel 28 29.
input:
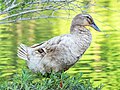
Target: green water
pixel 100 63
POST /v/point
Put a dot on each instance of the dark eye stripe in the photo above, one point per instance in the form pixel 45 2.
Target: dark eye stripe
pixel 89 19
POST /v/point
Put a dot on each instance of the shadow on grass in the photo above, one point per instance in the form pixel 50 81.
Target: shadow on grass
pixel 56 81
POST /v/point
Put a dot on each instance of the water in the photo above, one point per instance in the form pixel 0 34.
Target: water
pixel 100 63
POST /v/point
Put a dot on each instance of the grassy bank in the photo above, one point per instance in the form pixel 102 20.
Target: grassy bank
pixel 55 81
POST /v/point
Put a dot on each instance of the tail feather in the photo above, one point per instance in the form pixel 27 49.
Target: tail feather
pixel 23 52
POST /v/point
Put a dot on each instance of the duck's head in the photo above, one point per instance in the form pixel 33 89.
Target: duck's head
pixel 84 20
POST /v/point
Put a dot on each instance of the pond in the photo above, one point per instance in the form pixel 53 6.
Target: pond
pixel 100 63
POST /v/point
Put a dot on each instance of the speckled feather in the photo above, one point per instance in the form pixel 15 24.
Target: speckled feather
pixel 60 52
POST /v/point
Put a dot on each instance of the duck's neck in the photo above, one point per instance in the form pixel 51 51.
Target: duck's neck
pixel 76 29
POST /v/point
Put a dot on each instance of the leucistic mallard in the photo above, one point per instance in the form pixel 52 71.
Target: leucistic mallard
pixel 60 52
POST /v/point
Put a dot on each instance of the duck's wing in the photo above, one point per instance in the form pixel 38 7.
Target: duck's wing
pixel 47 44
pixel 38 44
pixel 24 51
pixel 37 50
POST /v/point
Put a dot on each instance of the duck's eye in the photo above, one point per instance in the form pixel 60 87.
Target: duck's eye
pixel 89 19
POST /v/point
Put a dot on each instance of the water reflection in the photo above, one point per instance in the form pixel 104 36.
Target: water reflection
pixel 101 62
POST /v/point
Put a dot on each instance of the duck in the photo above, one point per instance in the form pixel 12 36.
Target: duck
pixel 61 52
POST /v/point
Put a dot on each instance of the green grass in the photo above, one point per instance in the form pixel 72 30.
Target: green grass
pixel 30 81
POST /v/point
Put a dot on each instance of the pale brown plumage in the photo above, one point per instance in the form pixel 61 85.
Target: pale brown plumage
pixel 61 52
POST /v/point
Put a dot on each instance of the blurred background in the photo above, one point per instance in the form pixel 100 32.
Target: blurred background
pixel 100 63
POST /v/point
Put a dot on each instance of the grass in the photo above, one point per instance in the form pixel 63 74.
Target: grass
pixel 56 81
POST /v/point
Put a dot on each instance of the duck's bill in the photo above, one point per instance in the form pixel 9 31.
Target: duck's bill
pixel 93 25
